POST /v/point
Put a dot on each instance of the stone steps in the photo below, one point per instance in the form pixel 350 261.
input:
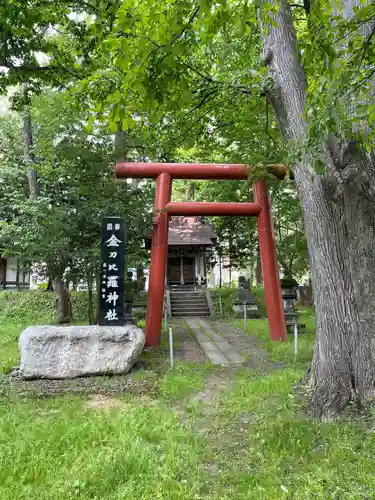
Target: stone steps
pixel 189 303
pixel 193 314
pixel 189 300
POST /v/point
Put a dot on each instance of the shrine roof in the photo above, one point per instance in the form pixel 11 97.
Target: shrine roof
pixel 190 231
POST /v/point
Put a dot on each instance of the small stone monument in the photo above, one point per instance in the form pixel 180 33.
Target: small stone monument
pixel 245 298
pixel 289 287
pixel 110 348
pixel 58 352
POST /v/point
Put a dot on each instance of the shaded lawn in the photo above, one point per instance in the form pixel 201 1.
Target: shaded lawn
pixel 252 441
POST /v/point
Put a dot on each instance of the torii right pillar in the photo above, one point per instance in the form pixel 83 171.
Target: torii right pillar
pixel 268 257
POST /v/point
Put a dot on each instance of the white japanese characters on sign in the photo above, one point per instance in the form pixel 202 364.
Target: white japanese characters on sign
pixel 113 241
pixel 111 289
pixel 112 282
pixel 112 298
pixel 111 315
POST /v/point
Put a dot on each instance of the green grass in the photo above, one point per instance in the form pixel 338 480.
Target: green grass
pixel 59 449
pixel 17 311
pixel 184 379
pixel 284 351
pixel 251 440
pixel 284 454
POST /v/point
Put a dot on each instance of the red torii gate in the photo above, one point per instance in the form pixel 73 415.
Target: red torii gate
pixel 164 208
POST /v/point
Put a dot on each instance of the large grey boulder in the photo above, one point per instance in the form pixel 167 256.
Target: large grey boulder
pixel 57 352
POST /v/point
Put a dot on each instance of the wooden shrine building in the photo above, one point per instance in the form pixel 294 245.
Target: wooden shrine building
pixel 189 238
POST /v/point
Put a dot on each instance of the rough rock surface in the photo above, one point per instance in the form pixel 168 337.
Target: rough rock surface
pixel 58 352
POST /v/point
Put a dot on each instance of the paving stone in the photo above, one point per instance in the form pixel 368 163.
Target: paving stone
pixel 216 348
pixel 217 358
pixel 212 351
pixel 230 353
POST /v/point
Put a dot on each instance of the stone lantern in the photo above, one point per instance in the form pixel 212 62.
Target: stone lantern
pixel 289 287
pixel 245 298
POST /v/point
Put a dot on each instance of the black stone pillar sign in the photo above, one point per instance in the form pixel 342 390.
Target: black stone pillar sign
pixel 111 292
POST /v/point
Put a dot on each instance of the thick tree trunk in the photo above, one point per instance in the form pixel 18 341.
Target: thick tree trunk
pixel 63 302
pixel 18 276
pixel 341 241
pixel 339 212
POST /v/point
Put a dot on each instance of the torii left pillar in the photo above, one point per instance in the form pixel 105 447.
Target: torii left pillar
pixel 159 254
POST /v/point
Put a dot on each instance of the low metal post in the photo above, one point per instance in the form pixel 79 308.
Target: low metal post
pixel 295 340
pixel 165 319
pixel 171 346
pixel 220 306
pixel 244 315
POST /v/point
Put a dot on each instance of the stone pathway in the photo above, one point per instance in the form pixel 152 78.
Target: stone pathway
pixel 216 347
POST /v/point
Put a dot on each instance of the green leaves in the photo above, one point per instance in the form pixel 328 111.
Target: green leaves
pixel 338 50
pixel 44 43
pixel 62 226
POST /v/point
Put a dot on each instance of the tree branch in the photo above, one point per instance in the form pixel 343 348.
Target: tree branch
pixel 191 19
pixel 27 67
pixel 207 78
pixel 366 46
pixel 204 101
pixel 364 80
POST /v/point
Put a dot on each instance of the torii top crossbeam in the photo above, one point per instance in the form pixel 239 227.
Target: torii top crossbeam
pixel 194 171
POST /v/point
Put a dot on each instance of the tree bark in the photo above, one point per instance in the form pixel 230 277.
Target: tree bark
pixel 27 139
pixel 190 191
pixel 63 302
pixel 339 213
pixel 18 276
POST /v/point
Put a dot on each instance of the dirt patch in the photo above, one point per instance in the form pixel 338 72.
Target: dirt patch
pixel 220 382
pixel 226 439
pixel 135 382
pixel 102 402
pixel 216 384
